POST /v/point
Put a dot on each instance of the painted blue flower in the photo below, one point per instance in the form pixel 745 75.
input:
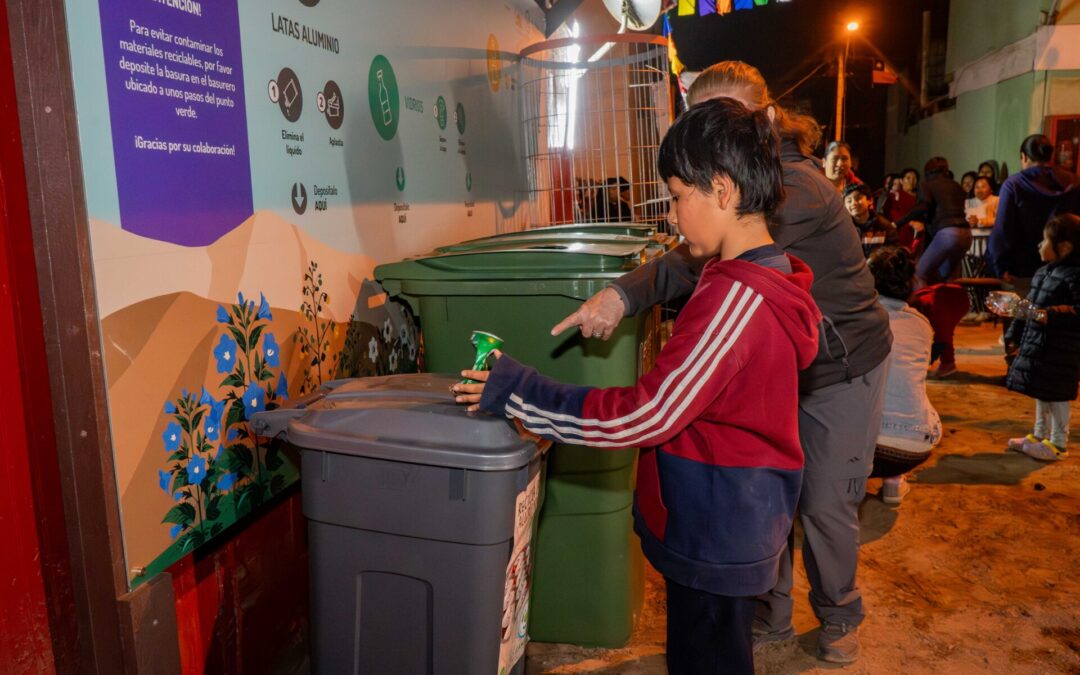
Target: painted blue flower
pixel 270 351
pixel 232 435
pixel 169 408
pixel 254 400
pixel 205 398
pixel 282 390
pixel 225 353
pixel 217 455
pixel 178 495
pixel 163 480
pixel 222 314
pixel 226 482
pixel 240 300
pixel 175 530
pixel 212 424
pixel 172 436
pixel 264 308
pixel 196 470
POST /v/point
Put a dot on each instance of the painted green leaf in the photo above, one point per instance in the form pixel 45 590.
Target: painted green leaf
pixel 273 458
pixel 255 333
pixel 181 514
pixel 277 484
pixel 238 335
pixel 213 509
pixel 179 480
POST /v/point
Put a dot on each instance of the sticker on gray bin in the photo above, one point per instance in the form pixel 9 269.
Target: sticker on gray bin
pixel 515 618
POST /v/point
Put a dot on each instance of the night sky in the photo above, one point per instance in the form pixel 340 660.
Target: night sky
pixel 786 41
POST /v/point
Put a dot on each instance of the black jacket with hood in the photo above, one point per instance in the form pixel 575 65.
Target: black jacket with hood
pixel 1048 365
pixel 813 225
pixel 1027 200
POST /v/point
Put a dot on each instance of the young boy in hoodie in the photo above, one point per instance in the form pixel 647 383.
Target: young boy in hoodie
pixel 716 419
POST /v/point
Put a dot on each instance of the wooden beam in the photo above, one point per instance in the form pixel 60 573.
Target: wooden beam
pixel 58 215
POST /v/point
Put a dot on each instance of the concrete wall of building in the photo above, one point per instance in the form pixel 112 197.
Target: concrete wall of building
pixel 991 122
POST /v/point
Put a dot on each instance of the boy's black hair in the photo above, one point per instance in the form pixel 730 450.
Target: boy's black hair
pixel 721 136
pixel 894 271
pixel 861 188
pixel 1064 228
pixel 972 174
pixel 910 170
pixel 1038 148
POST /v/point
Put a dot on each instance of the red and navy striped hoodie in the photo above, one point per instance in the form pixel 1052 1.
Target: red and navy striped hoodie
pixel 716 420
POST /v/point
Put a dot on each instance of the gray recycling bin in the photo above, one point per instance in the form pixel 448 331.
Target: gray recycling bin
pixel 420 523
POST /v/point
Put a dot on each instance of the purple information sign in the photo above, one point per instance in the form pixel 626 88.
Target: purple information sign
pixel 176 100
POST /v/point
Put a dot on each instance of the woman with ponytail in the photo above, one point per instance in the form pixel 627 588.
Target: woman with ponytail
pixel 840 394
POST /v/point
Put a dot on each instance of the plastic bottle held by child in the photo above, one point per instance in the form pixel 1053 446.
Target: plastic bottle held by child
pixel 485 343
pixel 1007 303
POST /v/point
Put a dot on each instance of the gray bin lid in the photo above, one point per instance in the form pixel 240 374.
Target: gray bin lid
pixel 411 419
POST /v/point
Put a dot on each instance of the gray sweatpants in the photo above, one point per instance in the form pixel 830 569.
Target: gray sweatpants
pixel 838 427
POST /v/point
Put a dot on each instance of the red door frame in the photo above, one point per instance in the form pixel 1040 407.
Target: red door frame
pixel 97 625
pixel 36 601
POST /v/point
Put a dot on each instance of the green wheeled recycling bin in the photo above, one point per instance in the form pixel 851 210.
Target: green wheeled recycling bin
pixel 421 520
pixel 589 574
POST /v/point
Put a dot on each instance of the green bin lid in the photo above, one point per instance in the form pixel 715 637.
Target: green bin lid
pixel 589 229
pixel 545 258
pixel 406 418
pixel 529 237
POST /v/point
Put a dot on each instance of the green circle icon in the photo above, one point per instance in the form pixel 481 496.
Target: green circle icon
pixel 459 116
pixel 383 97
pixel 440 112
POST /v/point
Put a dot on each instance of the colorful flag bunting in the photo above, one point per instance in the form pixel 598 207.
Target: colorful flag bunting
pixel 744 4
pixel 761 3
pixel 706 7
pixel 686 8
pixel 723 6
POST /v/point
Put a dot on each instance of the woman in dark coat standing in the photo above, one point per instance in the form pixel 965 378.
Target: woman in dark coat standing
pixel 1047 345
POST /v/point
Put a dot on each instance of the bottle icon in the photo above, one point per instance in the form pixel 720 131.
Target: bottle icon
pixel 384 99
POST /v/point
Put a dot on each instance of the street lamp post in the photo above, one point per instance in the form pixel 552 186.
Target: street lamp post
pixel 841 74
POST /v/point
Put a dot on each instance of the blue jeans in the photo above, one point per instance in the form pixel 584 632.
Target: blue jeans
pixel 942 257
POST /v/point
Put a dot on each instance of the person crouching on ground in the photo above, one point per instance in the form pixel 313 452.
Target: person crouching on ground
pixel 910 427
pixel 1047 347
pixel 717 417
pixel 874 230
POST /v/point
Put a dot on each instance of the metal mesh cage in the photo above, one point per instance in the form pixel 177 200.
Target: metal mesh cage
pixel 595 110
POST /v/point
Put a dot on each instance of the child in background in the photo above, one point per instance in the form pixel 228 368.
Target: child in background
pixel 1047 347
pixel 981 207
pixel 717 418
pixel 910 427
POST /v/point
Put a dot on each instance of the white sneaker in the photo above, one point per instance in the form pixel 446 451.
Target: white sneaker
pixel 1044 450
pixel 893 490
pixel 1017 444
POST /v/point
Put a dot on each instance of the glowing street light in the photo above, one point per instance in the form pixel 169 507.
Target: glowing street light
pixel 841 72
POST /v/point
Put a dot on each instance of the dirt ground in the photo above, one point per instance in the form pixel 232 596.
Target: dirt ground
pixel 974 573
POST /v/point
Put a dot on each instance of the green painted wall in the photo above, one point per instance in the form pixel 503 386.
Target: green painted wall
pixel 978 27
pixel 988 123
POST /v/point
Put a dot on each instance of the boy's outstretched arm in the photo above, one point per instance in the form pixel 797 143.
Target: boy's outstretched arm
pixel 691 371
